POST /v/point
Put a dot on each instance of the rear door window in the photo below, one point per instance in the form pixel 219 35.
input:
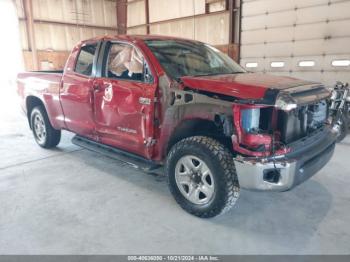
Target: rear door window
pixel 85 60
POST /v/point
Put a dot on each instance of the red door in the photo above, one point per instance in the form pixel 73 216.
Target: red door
pixel 124 114
pixel 124 110
pixel 76 94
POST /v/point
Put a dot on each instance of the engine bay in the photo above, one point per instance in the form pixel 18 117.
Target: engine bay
pixel 263 130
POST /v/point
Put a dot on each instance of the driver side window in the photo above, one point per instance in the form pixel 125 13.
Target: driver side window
pixel 125 62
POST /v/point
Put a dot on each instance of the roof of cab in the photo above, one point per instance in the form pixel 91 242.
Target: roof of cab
pixel 132 38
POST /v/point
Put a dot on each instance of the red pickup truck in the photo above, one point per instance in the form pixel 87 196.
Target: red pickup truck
pixel 154 101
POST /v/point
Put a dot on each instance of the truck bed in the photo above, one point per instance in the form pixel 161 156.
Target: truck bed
pixel 40 76
pixel 45 86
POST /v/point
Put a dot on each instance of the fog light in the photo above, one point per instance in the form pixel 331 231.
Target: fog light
pixel 272 175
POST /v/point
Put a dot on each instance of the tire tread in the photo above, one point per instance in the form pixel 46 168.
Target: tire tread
pixel 224 157
pixel 53 136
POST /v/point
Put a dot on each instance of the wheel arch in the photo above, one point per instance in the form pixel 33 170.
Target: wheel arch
pixel 200 127
pixel 32 102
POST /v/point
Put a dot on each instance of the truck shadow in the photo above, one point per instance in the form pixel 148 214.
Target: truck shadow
pixel 291 217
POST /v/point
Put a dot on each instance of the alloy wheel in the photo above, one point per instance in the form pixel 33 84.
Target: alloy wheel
pixel 194 180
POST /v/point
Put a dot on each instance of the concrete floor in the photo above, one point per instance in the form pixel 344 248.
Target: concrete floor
pixel 71 201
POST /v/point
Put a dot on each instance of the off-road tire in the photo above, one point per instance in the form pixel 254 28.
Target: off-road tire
pixel 219 160
pixel 52 137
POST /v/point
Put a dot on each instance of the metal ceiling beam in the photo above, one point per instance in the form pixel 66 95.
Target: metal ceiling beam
pixel 43 21
pixel 178 19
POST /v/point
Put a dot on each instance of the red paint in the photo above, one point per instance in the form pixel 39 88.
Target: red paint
pixel 243 86
pixel 75 102
pixel 123 122
pixel 245 143
pixel 46 88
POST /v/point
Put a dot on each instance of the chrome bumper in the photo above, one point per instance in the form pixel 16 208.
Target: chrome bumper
pixel 251 175
pixel 288 171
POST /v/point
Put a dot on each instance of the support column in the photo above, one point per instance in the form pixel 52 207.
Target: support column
pixel 28 10
pixel 147 16
pixel 121 11
pixel 234 8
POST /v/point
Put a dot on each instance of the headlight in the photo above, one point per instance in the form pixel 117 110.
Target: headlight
pixel 285 102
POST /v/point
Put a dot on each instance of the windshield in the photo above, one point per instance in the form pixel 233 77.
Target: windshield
pixel 186 58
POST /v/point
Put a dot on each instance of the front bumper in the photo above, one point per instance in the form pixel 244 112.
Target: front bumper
pixel 282 173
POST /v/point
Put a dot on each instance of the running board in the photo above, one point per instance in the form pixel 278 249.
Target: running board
pixel 112 152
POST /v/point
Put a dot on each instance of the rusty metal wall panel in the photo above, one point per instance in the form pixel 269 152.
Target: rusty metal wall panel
pixel 89 12
pixel 49 60
pixel 64 38
pixel 142 30
pixel 50 10
pixel 276 33
pixel 19 8
pixel 180 28
pixel 43 36
pixel 212 29
pixel 58 38
pixel 217 6
pixel 175 18
pixel 79 13
pixel 160 10
pixel 136 13
pixel 23 35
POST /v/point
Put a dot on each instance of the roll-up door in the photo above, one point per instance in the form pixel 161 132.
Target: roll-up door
pixel 308 39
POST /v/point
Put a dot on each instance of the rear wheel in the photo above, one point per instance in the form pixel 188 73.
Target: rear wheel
pixel 45 135
pixel 202 176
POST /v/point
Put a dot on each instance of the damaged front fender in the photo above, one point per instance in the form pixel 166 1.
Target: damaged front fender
pixel 176 106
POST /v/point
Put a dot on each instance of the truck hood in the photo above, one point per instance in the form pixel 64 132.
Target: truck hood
pixel 243 86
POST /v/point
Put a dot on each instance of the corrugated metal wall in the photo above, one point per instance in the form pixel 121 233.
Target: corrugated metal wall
pixel 175 18
pixel 308 39
pixel 60 24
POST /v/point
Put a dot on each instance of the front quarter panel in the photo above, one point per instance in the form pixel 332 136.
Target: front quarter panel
pixel 177 105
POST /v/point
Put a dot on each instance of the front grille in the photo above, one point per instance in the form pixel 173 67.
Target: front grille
pixel 301 121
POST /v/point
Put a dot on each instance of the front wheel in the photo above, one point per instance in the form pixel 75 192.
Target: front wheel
pixel 202 176
pixel 45 135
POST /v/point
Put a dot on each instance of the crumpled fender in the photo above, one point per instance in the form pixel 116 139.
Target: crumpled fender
pixel 177 105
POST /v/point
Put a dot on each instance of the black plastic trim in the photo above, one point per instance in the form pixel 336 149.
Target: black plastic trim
pixel 115 153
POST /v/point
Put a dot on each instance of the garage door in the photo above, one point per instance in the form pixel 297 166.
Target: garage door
pixel 308 39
